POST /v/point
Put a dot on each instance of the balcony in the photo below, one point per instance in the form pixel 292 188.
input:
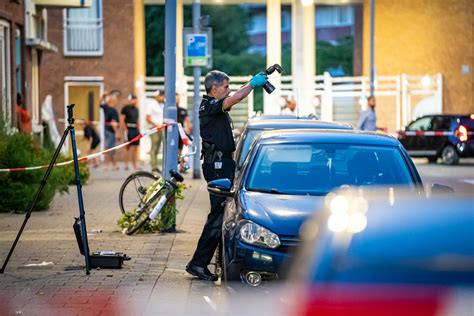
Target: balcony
pixel 83 37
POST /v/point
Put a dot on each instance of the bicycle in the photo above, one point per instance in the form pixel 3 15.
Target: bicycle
pixel 135 187
pixel 153 200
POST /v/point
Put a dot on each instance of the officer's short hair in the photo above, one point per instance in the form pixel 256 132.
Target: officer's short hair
pixel 214 78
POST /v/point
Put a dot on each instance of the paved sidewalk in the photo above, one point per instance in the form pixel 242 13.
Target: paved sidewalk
pixel 153 282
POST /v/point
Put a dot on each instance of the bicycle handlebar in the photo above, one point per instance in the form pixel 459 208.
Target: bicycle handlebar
pixel 176 175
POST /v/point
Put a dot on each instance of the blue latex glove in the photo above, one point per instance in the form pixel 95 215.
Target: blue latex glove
pixel 259 79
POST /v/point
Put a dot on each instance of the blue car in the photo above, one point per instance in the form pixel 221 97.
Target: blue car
pixel 285 179
pixel 376 252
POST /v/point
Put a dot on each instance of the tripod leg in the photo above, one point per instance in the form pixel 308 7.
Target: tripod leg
pixel 85 242
pixel 35 200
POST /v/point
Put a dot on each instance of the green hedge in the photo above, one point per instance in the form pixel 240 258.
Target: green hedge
pixel 17 189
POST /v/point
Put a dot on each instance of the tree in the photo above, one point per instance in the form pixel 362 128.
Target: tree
pixel 230 40
pixel 333 56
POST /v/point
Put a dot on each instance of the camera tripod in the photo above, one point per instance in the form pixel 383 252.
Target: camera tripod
pixel 85 244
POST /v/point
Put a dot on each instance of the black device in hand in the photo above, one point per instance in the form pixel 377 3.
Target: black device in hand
pixel 269 88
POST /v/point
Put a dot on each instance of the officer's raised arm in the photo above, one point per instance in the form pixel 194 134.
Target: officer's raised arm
pixel 257 81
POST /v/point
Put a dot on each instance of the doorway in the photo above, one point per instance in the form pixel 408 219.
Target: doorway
pixel 86 97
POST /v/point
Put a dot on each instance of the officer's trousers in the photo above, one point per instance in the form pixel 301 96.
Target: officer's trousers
pixel 211 233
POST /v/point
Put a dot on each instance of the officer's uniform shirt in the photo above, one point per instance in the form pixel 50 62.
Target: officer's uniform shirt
pixel 216 124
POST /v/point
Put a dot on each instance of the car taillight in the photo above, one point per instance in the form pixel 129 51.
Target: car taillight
pixel 461 133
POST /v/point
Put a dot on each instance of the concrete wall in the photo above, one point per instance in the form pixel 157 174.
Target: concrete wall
pixel 425 37
pixel 116 65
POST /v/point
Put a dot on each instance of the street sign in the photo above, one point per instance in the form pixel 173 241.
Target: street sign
pixel 197 48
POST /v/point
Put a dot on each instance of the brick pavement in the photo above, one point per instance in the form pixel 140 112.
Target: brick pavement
pixel 153 282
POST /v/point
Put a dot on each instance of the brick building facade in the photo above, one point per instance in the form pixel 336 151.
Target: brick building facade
pixel 425 37
pixel 80 77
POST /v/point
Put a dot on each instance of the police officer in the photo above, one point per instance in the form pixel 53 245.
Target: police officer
pixel 217 148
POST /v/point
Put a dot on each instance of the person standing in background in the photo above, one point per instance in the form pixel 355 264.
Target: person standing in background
pixel 91 135
pixel 129 123
pixel 290 108
pixel 23 116
pixel 368 118
pixel 154 117
pixel 112 130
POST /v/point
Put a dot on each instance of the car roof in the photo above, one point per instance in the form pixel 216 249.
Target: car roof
pixel 444 115
pixel 329 136
pixel 295 123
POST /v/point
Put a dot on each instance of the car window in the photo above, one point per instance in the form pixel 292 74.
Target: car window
pixel 421 124
pixel 441 123
pixel 248 140
pixel 316 169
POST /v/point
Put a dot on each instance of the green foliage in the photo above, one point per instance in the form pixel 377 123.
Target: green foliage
pixel 70 174
pixel 17 189
pixel 230 40
pixel 126 220
pixel 168 213
pixel 166 218
pixel 330 55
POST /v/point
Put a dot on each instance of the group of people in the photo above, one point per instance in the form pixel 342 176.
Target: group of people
pixel 127 124
pixel 217 144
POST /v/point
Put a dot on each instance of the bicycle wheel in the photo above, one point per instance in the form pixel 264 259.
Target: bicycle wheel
pixel 142 215
pixel 133 190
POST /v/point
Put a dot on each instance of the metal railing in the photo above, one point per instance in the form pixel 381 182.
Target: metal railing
pixel 83 37
pixel 342 98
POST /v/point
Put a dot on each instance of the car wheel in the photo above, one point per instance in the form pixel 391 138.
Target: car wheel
pixel 450 156
pixel 432 159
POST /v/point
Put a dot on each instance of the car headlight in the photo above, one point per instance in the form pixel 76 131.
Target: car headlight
pixel 255 234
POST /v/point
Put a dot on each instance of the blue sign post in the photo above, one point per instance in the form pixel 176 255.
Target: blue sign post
pixel 197 47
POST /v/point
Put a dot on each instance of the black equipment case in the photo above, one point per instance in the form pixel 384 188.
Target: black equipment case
pixel 102 259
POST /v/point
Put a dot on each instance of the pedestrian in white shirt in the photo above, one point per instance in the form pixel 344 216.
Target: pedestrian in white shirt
pixel 290 108
pixel 154 117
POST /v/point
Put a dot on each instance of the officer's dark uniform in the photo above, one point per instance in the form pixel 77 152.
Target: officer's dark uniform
pixel 217 148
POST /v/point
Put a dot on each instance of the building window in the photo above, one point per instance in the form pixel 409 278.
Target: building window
pixel 5 91
pixel 334 16
pixel 83 31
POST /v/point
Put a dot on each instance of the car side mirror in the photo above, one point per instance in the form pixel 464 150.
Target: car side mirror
pixel 220 187
pixel 437 188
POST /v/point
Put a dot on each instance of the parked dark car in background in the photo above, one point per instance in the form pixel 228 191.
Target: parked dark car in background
pixel 448 137
pixel 377 253
pixel 258 125
pixel 285 179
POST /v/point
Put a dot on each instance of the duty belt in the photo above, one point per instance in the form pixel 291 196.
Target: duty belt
pixel 223 154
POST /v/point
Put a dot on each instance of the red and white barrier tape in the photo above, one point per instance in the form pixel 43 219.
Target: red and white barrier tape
pixel 428 133
pixel 85 158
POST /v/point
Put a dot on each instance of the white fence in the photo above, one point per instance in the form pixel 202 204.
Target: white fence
pixel 400 98
pixel 240 112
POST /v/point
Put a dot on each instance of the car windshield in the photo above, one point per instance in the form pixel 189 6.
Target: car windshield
pixel 251 135
pixel 316 169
